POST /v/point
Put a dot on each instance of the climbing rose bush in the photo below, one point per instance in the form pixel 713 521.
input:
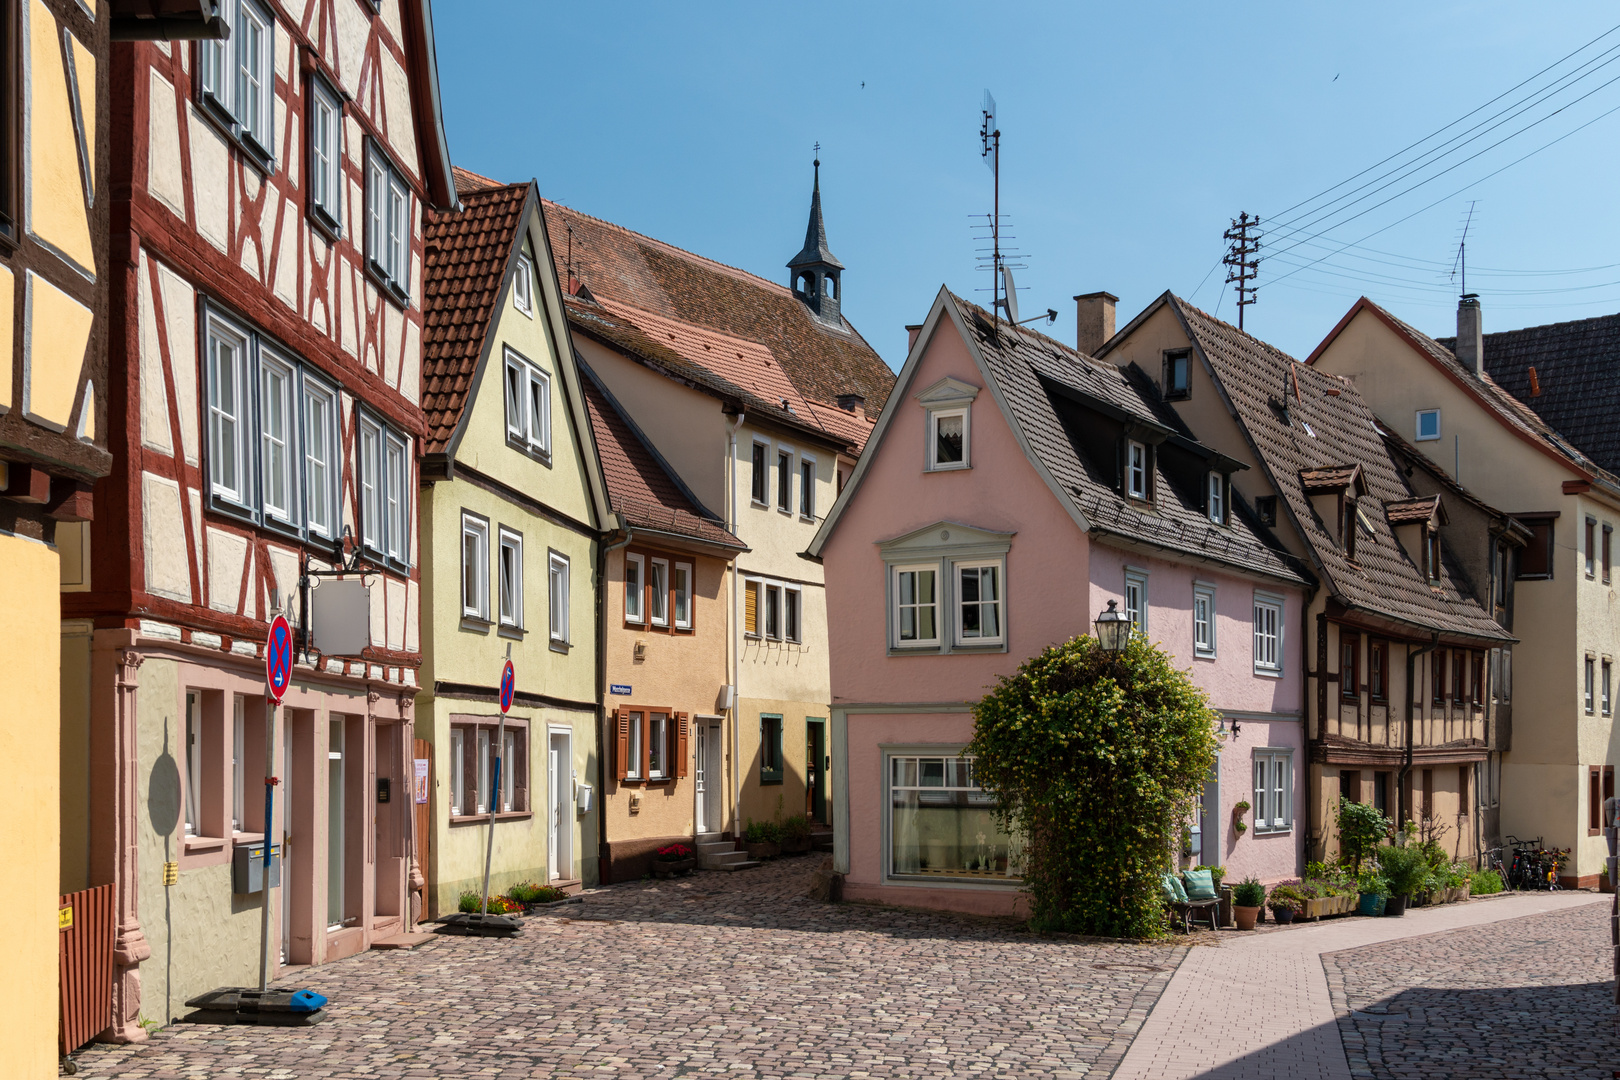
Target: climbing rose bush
pixel 1098 762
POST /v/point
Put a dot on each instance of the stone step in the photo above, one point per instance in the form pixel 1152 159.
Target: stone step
pixel 725 860
pixel 706 838
pixel 716 848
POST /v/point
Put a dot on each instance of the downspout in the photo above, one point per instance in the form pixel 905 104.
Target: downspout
pixel 1411 712
pixel 730 473
pixel 603 860
pixel 1305 715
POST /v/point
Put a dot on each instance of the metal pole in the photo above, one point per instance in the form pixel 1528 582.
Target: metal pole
pixel 270 783
pixel 494 802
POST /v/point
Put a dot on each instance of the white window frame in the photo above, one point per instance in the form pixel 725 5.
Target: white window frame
pixel 1216 485
pixel 320 429
pixel 934 417
pixel 227 66
pixel 1606 688
pixel 892 757
pixel 792 614
pixel 369 450
pixel 1138 465
pixel 1268 639
pixel 238 762
pixel 807 487
pixel 1136 599
pixel 474 567
pixel 1205 643
pixel 1273 775
pixel 396 497
pixel 895 606
pixel 523 285
pixel 388 221
pixel 658 591
pixel 658 737
pixel 635 600
pixel 458 770
pixel 1417 425
pixel 528 404
pixel 632 766
pixel 510 579
pixel 559 595
pixel 784 479
pixel 1590 677
pixel 237 412
pixel 681 587
pixel 282 444
pixel 775 613
pixel 326 186
pixel 959 604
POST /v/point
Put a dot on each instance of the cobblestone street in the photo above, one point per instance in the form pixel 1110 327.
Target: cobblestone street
pixel 735 974
pixel 1530 997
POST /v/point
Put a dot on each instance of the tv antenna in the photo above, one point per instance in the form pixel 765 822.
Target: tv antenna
pixel 1004 294
pixel 1459 265
pixel 1243 256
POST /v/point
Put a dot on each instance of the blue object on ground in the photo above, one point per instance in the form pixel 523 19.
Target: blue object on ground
pixel 306 1001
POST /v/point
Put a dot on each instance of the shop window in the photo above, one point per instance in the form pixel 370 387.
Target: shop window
pixel 942 825
pixel 474 747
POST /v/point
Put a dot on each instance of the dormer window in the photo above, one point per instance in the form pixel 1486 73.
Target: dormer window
pixel 1431 554
pixel 1216 485
pixel 1177 375
pixel 1137 469
pixel 1348 526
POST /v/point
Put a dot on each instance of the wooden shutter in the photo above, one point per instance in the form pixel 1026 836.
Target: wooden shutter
pixel 751 608
pixel 683 723
pixel 621 739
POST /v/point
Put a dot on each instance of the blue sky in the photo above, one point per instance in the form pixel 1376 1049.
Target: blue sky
pixel 1132 133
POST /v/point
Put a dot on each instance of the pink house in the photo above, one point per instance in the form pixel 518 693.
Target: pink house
pixel 1012 488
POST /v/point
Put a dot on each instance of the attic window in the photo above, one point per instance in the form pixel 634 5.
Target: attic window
pixel 1347 526
pixel 1216 498
pixel 1428 425
pixel 523 285
pixel 1177 375
pixel 1136 469
pixel 1431 555
pixel 1265 507
pixel 947 439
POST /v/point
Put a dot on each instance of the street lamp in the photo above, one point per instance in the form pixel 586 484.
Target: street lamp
pixel 1113 629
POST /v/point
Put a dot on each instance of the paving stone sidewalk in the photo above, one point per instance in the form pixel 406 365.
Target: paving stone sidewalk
pixel 734 974
pixel 1530 997
pixel 1258 1006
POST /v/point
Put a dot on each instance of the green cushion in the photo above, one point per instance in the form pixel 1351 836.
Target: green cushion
pixel 1200 884
pixel 1173 892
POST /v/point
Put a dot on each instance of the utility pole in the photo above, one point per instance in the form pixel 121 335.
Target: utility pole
pixel 1242 255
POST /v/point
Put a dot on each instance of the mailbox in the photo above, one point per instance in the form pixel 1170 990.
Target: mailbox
pixel 583 798
pixel 247 868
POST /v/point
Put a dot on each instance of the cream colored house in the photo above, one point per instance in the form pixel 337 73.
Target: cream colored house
pixel 1561 674
pixel 755 395
pixel 512 506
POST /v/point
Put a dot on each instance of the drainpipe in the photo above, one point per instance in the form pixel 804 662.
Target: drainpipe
pixel 1411 712
pixel 730 473
pixel 1305 713
pixel 602 552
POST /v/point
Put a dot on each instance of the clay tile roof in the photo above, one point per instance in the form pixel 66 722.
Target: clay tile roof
pixel 1409 511
pixel 1293 416
pixel 1577 372
pixel 467 253
pixel 660 290
pixel 467 180
pixel 1331 478
pixel 1055 394
pixel 639 487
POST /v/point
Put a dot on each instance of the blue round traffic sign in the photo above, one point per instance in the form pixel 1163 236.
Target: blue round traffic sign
pixel 278 658
pixel 508 686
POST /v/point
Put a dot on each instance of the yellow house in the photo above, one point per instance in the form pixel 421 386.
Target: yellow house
pixel 1560 750
pixel 53 445
pixel 512 506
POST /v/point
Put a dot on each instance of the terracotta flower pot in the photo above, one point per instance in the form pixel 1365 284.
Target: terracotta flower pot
pixel 1245 916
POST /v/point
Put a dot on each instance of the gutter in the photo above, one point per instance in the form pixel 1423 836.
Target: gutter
pixel 602 552
pixel 1411 712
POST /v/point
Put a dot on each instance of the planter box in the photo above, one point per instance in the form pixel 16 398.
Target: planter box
pixel 1323 906
pixel 796 847
pixel 764 851
pixel 668 868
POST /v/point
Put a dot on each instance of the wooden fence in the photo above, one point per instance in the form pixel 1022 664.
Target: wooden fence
pixel 86 922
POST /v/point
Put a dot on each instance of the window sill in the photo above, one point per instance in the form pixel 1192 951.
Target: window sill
pixel 652 782
pixel 385 285
pixel 226 507
pixel 807 519
pixel 204 843
pixel 757 505
pixel 1283 830
pixel 1269 673
pixel 227 126
pixel 915 650
pixel 483 819
pixel 769 781
pixel 327 228
pixel 563 647
pixel 948 468
pixel 473 624
pixel 979 647
pixel 516 633
pixel 247 839
pixel 529 450
pixel 1204 655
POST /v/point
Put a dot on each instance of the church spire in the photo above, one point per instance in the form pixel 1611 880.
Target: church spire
pixel 815 269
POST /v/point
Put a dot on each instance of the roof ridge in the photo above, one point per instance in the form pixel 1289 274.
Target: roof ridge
pixel 680 251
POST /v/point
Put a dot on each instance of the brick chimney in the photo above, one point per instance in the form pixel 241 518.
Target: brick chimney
pixel 1470 334
pixel 853 403
pixel 1094 320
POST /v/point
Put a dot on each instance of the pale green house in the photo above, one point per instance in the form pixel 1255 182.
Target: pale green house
pixel 511 508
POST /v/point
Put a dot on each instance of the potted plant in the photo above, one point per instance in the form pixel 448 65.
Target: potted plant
pixel 764 839
pixel 498 905
pixel 796 835
pixel 1374 892
pixel 1285 902
pixel 1247 896
pixel 674 859
pixel 533 895
pixel 1237 817
pixel 1404 866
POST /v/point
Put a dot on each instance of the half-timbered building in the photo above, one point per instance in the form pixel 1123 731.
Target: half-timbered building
pixel 267 193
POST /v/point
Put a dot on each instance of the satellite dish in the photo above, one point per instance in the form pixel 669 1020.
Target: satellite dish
pixel 1011 299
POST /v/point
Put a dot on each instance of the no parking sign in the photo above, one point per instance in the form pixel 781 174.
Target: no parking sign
pixel 278 658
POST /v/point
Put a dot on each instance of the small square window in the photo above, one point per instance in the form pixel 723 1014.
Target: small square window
pixel 1428 425
pixel 947 439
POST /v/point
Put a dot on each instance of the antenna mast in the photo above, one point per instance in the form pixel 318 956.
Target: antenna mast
pixel 990 151
pixel 1243 256
pixel 1460 264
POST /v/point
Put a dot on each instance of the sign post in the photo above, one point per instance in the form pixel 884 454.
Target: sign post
pixel 278 661
pixel 508 689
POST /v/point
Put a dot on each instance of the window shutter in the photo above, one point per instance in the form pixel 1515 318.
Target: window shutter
pixel 683 723
pixel 621 727
pixel 751 607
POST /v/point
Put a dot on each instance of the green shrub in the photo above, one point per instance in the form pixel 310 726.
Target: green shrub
pixel 1361 828
pixel 1484 882
pixel 796 827
pixel 762 832
pixel 1248 893
pixel 1286 896
pixel 498 905
pixel 1371 881
pixel 1095 762
pixel 1405 866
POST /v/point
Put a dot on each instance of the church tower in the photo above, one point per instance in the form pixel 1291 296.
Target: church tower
pixel 815 270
